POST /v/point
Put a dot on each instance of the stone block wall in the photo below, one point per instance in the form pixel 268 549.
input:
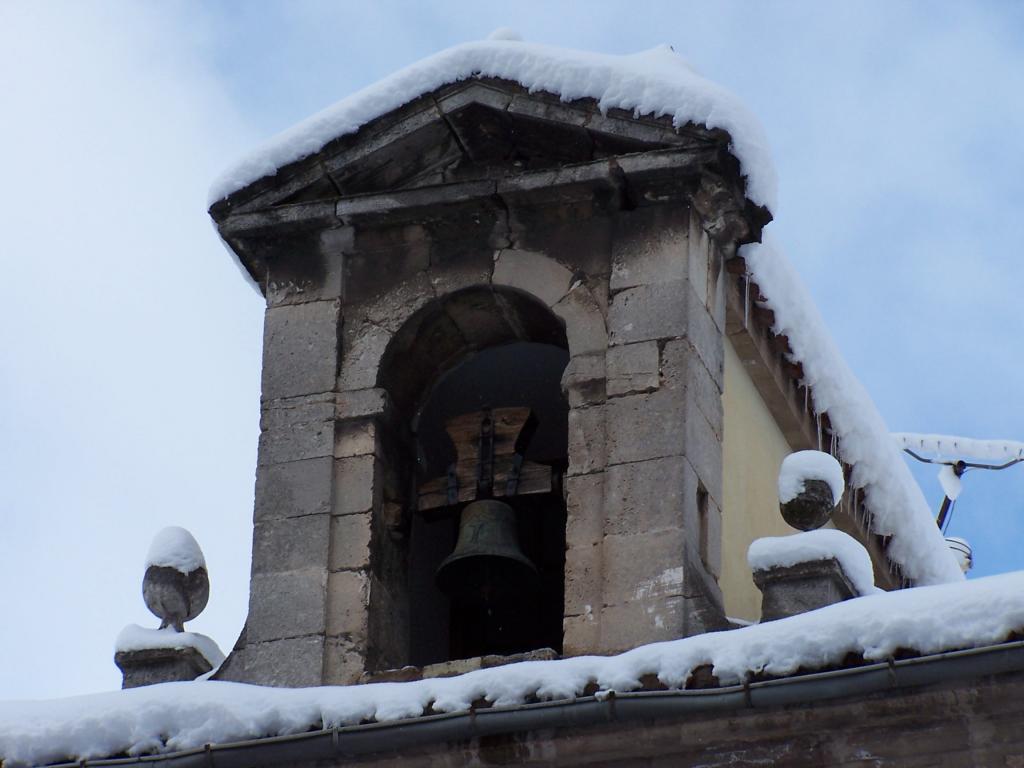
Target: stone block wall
pixel 640 297
pixel 283 640
pixel 646 451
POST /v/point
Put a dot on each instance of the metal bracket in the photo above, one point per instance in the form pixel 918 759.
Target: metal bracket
pixel 512 484
pixel 485 461
pixel 453 485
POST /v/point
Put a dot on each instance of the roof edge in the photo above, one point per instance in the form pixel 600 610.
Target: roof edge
pixel 656 82
pixel 794 690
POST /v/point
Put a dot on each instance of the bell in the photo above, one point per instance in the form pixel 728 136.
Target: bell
pixel 487 561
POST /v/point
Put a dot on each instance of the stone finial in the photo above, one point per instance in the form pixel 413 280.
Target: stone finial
pixel 788 591
pixel 805 571
pixel 810 488
pixel 176 586
pixel 149 656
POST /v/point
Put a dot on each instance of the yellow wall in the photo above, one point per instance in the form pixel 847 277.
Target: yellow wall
pixel 751 456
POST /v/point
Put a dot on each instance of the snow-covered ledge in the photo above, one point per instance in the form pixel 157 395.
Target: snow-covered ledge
pixel 150 656
pixel 808 570
pixel 178 716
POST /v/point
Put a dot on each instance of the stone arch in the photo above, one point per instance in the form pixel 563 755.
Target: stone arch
pixel 513 273
pixel 562 291
pixel 437 336
pixel 434 339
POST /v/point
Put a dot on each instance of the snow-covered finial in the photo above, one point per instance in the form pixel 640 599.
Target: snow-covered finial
pixel 176 586
pixel 810 487
pixel 505 33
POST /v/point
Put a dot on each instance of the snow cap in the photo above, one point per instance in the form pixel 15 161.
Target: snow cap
pixel 950 482
pixel 822 544
pixel 176 548
pixel 809 465
pixel 656 83
pixel 136 638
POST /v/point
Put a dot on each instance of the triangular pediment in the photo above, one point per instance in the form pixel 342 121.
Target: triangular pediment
pixel 473 130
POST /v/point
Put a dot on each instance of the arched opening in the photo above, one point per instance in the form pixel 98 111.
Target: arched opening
pixel 474 356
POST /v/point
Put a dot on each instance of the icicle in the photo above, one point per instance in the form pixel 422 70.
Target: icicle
pixel 807 398
pixel 817 418
pixel 746 300
pixel 834 448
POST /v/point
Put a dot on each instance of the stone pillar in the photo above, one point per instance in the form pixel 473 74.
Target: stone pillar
pixel 160 665
pixel 584 385
pixel 356 596
pixel 283 640
pixel 663 422
pixel 787 591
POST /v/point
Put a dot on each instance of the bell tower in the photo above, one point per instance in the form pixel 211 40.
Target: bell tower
pixel 492 373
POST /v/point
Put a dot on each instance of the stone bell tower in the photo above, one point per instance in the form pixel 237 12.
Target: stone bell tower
pixel 482 248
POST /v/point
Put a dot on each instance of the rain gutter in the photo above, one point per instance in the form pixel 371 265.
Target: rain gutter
pixel 360 740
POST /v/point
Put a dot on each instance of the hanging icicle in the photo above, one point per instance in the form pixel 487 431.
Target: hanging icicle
pixel 746 299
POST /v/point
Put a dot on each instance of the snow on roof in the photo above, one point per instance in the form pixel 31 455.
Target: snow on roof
pixel 898 507
pixel 175 547
pixel 954 448
pixel 824 543
pixel 136 638
pixel 175 716
pixel 657 82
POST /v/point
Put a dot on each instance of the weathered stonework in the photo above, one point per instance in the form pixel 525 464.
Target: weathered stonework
pixel 633 369
pixel 420 246
pixel 788 591
pixel 160 665
pixel 301 344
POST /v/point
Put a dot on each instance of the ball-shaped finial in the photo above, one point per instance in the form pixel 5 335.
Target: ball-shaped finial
pixel 176 586
pixel 810 488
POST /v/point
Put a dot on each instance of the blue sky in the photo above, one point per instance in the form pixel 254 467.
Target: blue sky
pixel 129 355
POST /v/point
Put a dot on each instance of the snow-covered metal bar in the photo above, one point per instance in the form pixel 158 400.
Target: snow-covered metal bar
pixel 953 448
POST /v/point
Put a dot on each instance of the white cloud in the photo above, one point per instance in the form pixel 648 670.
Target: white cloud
pixel 129 385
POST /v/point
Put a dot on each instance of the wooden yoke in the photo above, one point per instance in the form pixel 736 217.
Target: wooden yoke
pixel 489 448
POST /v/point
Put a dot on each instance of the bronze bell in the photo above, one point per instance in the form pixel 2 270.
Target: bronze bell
pixel 487 562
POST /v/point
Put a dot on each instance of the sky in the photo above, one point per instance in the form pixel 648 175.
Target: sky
pixel 130 344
